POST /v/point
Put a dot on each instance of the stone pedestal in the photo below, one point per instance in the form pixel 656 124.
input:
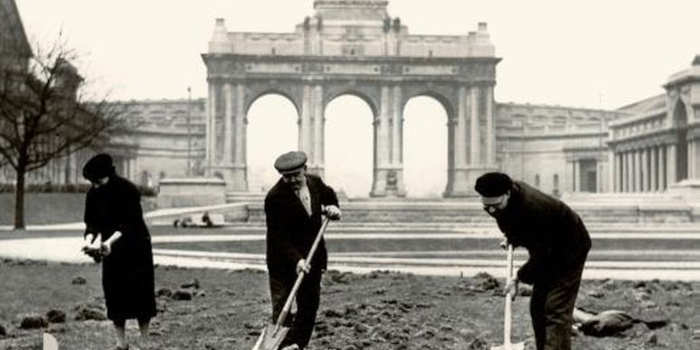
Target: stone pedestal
pixel 689 190
pixel 191 192
pixel 234 176
pixel 464 180
pixel 388 183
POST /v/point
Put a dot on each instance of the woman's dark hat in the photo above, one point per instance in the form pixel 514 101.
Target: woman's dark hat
pixel 493 184
pixel 98 167
pixel 290 162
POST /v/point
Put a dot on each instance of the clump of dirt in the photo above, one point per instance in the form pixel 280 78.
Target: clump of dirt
pixel 378 310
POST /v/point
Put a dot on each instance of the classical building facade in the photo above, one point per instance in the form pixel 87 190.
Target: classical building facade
pixel 657 145
pixel 354 47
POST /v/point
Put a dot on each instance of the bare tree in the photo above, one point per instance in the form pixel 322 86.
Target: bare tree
pixel 45 114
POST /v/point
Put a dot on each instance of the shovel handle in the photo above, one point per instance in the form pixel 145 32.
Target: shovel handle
pixel 300 277
pixel 507 313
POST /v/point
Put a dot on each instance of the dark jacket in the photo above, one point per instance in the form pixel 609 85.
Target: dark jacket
pixel 127 273
pixel 291 231
pixel 553 234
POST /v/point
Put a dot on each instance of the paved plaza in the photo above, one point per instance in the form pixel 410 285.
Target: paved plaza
pixel 448 263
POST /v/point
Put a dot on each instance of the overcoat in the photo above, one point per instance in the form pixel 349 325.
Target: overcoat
pixel 291 231
pixel 127 272
pixel 553 234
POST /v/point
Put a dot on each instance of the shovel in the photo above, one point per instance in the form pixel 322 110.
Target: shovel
pixel 273 335
pixel 507 345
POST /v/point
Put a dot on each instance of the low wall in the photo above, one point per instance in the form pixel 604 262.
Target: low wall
pixel 591 211
pixel 191 192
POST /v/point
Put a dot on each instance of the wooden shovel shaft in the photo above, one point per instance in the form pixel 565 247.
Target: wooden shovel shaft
pixel 300 277
pixel 507 318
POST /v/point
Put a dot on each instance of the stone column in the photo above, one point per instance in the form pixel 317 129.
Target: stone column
pixel 305 122
pixel 637 170
pixel 612 171
pixel 211 127
pixel 577 175
pixel 629 171
pixel 397 143
pixel 459 184
pixel 643 155
pixel 240 163
pixel 619 169
pixel 691 159
pixel 381 144
pixel 231 162
pixel 670 165
pixel 490 130
pixel 662 168
pixel 653 172
pixel 228 123
pixel 475 158
pixel 478 163
pixel 317 163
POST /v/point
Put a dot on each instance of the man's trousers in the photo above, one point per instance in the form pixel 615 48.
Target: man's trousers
pixel 307 300
pixel 551 309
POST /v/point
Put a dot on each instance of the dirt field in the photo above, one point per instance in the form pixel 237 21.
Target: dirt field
pixel 380 310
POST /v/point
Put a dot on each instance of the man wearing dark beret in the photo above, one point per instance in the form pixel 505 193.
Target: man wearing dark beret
pixel 293 210
pixel 113 213
pixel 558 244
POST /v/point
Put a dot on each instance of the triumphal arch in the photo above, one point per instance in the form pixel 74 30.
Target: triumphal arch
pixel 353 47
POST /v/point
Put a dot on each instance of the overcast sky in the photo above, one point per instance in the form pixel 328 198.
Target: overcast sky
pixel 595 53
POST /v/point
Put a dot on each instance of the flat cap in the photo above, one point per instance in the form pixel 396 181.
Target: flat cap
pixel 98 167
pixel 290 162
pixel 493 184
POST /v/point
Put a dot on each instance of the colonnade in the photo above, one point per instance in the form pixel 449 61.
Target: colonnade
pixel 649 168
pixel 471 146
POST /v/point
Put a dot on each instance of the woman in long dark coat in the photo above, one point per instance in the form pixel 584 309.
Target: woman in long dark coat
pixel 113 210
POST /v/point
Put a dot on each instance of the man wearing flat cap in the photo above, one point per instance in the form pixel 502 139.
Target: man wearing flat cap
pixel 557 242
pixel 293 210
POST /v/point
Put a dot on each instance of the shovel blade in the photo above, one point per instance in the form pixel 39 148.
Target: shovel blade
pixel 271 339
pixel 511 346
pixel 50 342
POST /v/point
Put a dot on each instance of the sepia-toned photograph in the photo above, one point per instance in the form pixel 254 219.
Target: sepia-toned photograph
pixel 349 175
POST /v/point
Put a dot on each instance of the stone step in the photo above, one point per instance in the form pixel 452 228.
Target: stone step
pixel 593 208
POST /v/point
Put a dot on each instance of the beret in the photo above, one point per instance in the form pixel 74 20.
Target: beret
pixel 98 167
pixel 493 184
pixel 290 162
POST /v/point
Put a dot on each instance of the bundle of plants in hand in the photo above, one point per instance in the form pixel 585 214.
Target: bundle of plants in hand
pixel 93 249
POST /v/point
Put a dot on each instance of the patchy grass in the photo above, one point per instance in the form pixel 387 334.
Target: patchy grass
pixel 374 311
pixel 44 208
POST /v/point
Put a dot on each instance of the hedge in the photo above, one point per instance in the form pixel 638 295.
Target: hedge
pixel 68 188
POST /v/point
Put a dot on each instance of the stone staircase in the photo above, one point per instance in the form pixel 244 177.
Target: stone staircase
pixel 608 209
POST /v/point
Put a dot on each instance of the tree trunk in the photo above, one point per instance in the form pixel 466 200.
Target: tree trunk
pixel 19 198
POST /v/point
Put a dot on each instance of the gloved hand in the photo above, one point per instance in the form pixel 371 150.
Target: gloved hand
pixel 303 266
pixel 91 247
pixel 512 288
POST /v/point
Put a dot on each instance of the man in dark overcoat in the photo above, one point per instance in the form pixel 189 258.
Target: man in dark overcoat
pixel 558 244
pixel 293 209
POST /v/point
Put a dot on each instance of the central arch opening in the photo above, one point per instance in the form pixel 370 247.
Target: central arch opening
pixel 272 130
pixel 349 146
pixel 425 147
